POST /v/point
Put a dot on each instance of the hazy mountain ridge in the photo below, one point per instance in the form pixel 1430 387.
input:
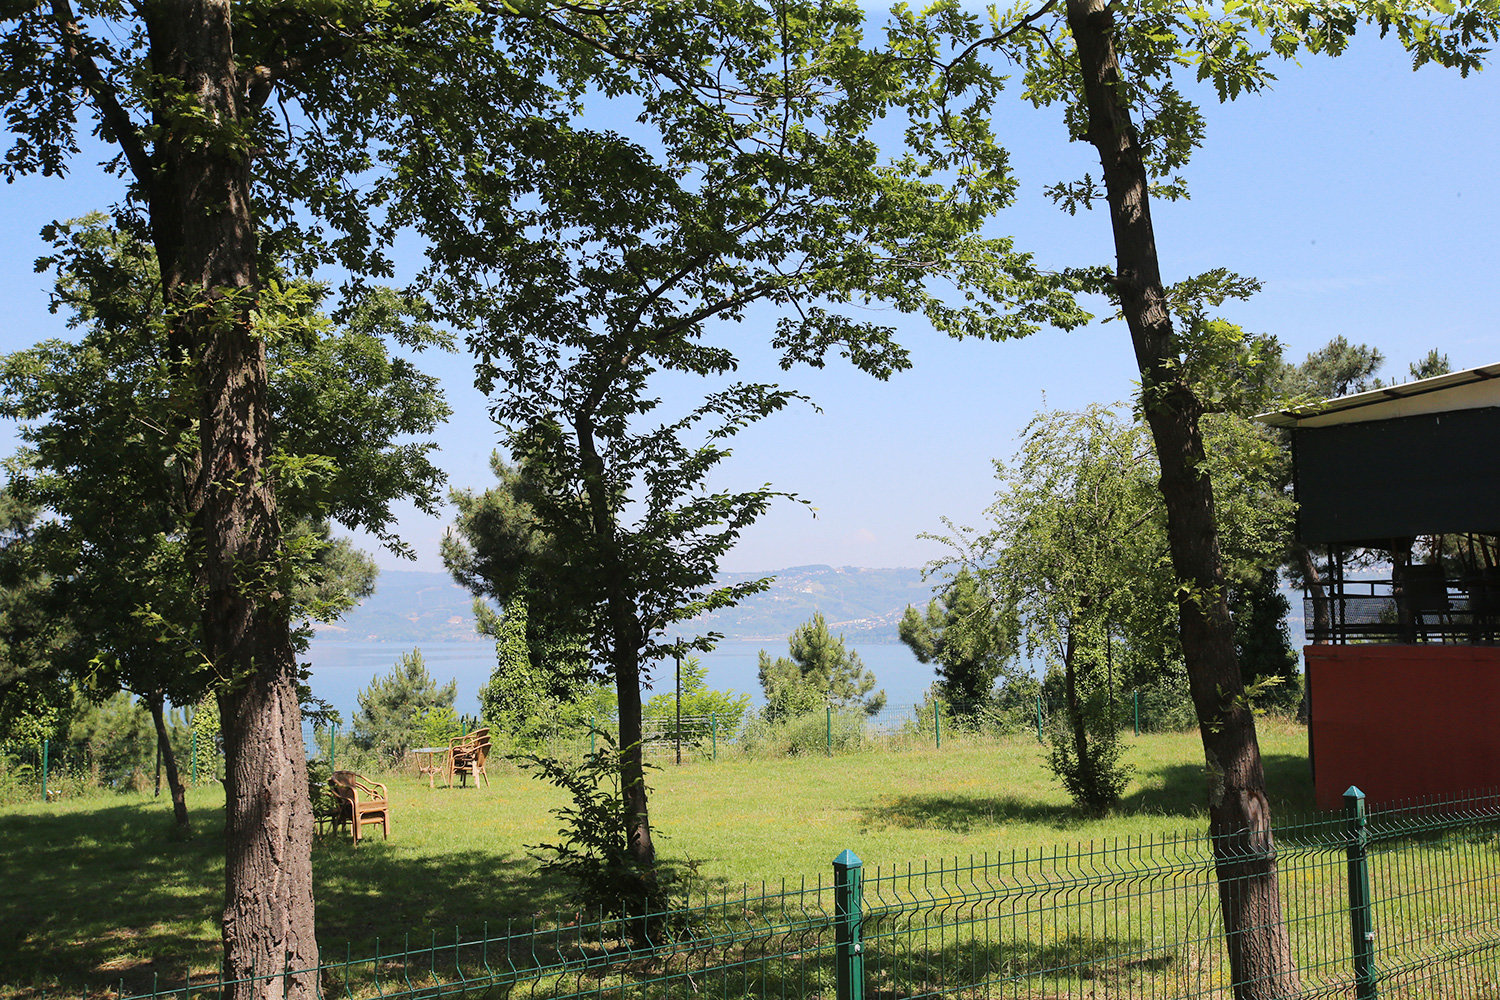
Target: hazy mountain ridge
pixel 409 606
pixel 862 604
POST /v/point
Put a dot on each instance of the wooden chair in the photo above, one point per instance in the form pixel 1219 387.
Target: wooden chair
pixel 362 802
pixel 467 755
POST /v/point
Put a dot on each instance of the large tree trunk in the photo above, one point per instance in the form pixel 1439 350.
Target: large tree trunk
pixel 632 760
pixel 164 753
pixel 204 230
pixel 626 640
pixel 1239 815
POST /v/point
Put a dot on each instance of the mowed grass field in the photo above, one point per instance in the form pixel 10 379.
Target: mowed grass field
pixel 98 889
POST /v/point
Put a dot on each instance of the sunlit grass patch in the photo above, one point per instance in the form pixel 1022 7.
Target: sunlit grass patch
pixel 95 890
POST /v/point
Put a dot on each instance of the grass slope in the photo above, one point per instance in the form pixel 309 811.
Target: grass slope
pixel 97 890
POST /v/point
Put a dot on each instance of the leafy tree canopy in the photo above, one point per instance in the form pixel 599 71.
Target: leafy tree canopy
pixel 110 449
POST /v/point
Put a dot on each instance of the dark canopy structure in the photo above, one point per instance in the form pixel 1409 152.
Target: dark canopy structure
pixel 1398 462
pixel 1403 673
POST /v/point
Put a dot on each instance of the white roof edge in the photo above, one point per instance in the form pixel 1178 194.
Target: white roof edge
pixel 1334 411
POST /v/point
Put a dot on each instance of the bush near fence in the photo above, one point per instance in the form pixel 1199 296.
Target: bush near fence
pixel 1401 902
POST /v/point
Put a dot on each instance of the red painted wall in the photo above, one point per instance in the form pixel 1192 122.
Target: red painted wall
pixel 1403 722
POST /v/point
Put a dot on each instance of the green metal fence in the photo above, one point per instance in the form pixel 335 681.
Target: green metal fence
pixel 1401 902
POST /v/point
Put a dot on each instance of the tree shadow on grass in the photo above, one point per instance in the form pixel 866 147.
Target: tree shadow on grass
pixel 88 897
pixel 1182 789
pixel 964 814
pixel 94 897
pixel 372 893
pixel 1179 790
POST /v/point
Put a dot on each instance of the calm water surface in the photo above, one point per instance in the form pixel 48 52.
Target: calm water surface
pixel 341 669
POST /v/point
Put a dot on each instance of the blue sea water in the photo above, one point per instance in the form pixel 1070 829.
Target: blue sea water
pixel 341 669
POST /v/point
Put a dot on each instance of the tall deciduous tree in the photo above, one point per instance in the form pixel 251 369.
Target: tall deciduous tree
pixel 1116 70
pixel 766 189
pixel 179 89
pixel 281 131
pixel 108 451
pixel 314 133
pixel 1073 564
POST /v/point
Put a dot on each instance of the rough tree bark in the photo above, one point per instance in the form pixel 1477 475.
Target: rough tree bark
pixel 626 639
pixel 203 227
pixel 1239 815
pixel 157 704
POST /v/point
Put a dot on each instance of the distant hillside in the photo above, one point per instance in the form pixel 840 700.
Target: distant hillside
pixel 409 607
pixel 862 604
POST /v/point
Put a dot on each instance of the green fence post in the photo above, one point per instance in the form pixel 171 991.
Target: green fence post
pixel 713 725
pixel 45 747
pixel 937 723
pixel 1137 699
pixel 1360 918
pixel 829 744
pixel 849 958
pixel 1039 718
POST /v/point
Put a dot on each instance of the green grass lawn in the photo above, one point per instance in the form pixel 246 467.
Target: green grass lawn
pixel 97 889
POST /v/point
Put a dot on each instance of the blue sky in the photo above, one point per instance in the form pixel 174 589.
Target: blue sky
pixel 1364 195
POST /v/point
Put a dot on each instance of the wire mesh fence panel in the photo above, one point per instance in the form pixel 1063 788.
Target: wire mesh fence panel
pixel 1435 879
pixel 1144 918
pixel 1137 918
pixel 774 943
pixel 1127 918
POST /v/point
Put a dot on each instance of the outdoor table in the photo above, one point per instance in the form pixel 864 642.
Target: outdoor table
pixel 432 767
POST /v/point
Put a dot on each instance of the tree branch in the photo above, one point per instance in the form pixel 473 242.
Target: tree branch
pixel 1022 25
pixel 104 95
pixel 261 80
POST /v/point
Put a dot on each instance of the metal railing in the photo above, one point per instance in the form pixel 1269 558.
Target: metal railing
pixel 1423 608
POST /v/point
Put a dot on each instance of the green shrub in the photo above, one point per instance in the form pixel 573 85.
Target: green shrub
pixel 1092 773
pixel 1166 706
pixel 593 850
pixel 808 733
pixel 700 701
pixel 347 755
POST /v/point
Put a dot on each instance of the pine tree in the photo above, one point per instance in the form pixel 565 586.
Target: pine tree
pixel 820 672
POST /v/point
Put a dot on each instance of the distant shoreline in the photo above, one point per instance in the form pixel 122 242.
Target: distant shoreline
pixel 864 605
